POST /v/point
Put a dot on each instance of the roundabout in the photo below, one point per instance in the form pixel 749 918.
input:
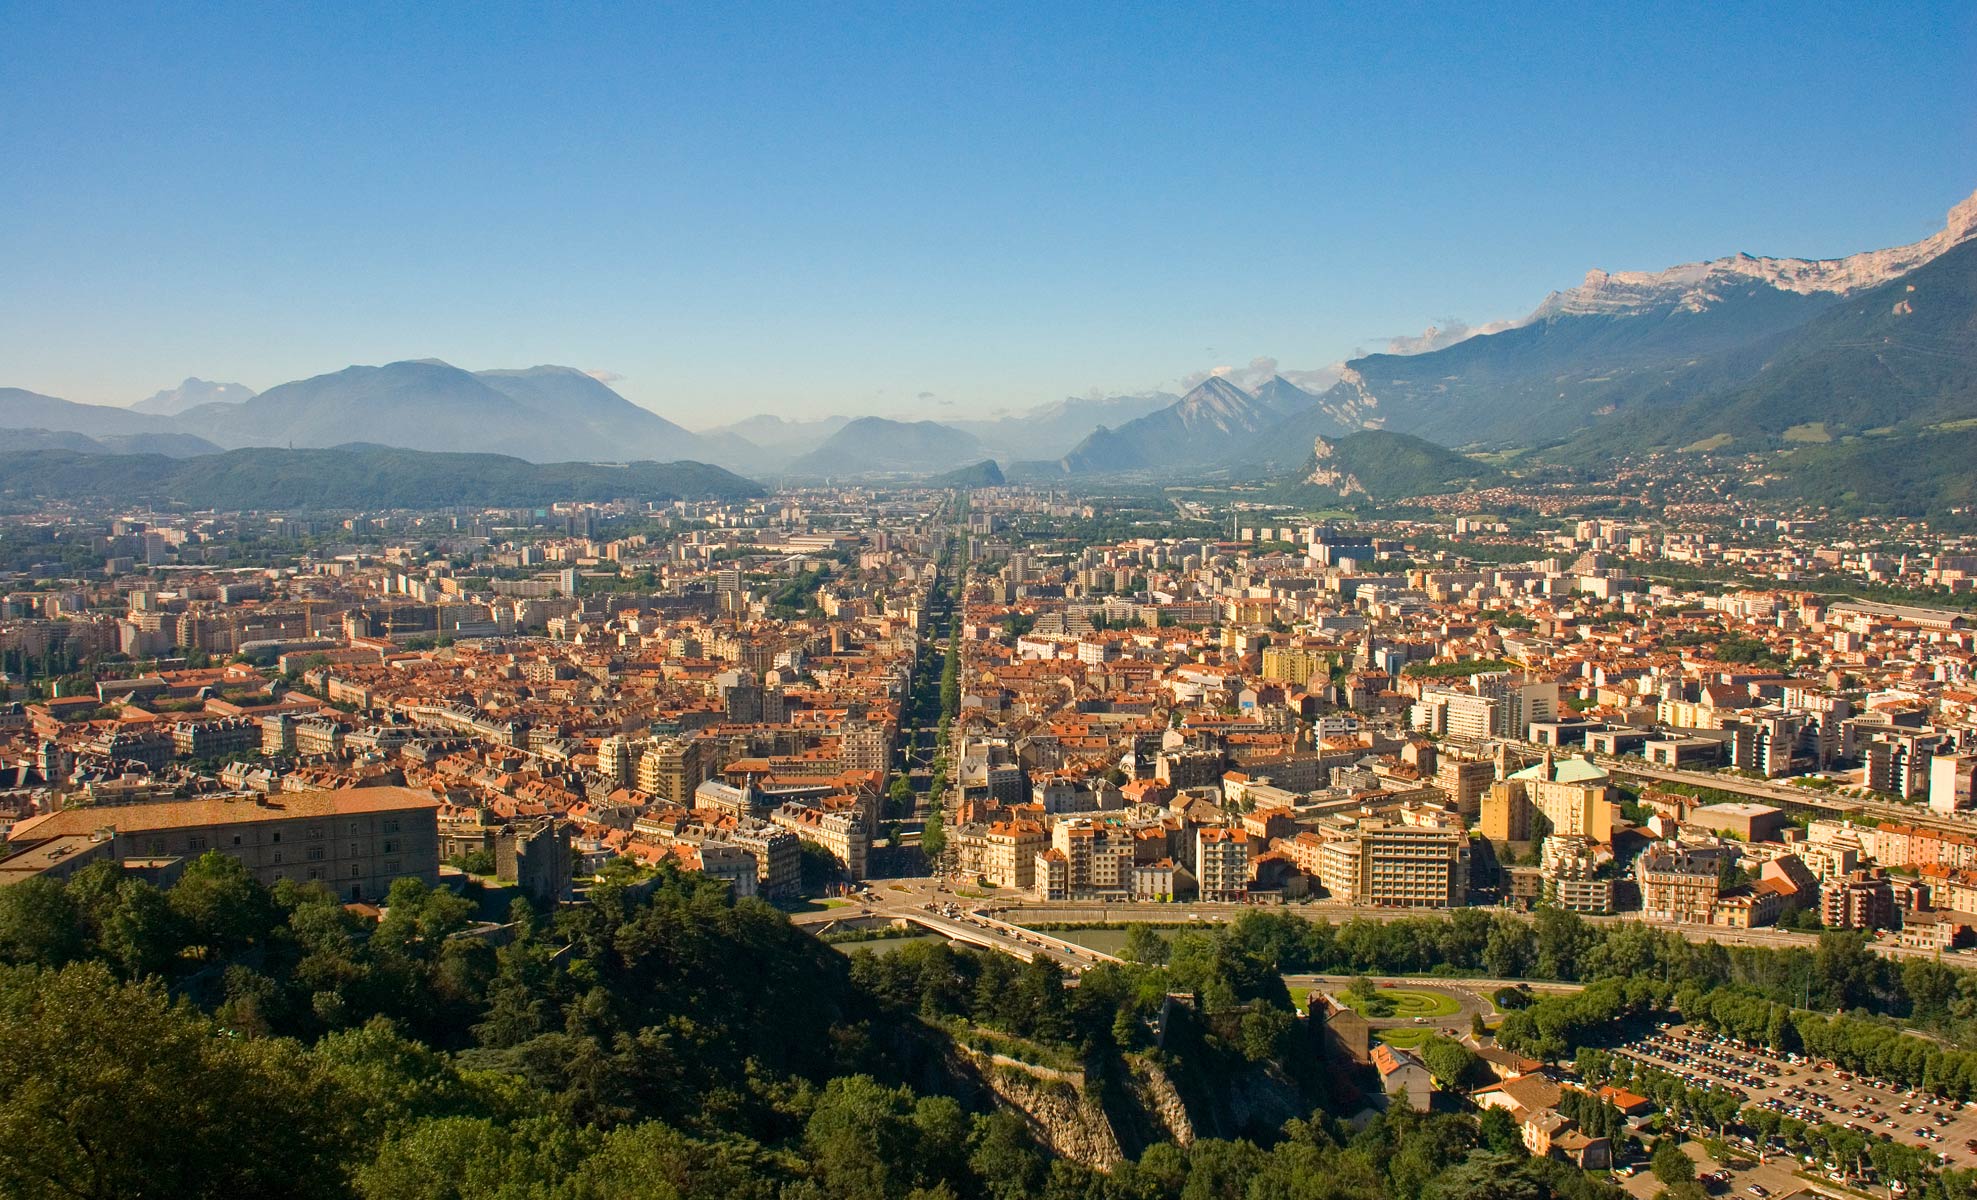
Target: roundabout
pixel 1429 1003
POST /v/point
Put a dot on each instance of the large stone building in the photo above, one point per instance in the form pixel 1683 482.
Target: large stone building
pixel 354 841
pixel 535 855
pixel 1010 853
pixel 841 834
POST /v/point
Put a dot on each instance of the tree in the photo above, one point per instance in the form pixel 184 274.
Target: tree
pixel 1449 1061
pixel 1488 1176
pixel 933 835
pixel 1497 1130
pixel 900 796
pixel 859 1138
pixel 1004 1158
pixel 1144 945
pixel 1670 1165
pixel 39 923
pixel 224 908
pixel 138 931
pixel 119 1091
pixel 418 918
pixel 817 867
pixel 1509 951
pixel 475 862
pixel 651 1159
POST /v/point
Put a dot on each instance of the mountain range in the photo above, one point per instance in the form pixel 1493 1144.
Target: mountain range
pixel 171 445
pixel 1381 465
pixel 878 446
pixel 1632 350
pixel 191 394
pixel 1215 422
pixel 1742 352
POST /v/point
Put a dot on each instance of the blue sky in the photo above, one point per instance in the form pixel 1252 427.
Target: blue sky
pixel 946 209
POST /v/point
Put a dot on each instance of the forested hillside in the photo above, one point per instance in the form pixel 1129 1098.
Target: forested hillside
pixel 353 476
pixel 224 1039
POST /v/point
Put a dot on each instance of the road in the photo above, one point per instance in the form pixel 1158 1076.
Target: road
pixel 1786 794
pixel 909 897
pixel 930 904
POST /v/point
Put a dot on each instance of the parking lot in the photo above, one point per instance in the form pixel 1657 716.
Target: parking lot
pixel 1811 1091
pixel 1773 1179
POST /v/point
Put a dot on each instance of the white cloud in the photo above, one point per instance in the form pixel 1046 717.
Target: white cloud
pixel 606 377
pixel 1445 332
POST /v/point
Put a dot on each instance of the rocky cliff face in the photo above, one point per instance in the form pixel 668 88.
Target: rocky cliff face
pixel 1698 286
pixel 1325 473
pixel 1059 1109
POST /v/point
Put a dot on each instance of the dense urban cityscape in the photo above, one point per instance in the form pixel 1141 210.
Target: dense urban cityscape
pixel 1046 726
pixel 988 602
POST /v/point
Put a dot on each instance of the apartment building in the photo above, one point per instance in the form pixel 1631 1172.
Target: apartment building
pixel 1447 713
pixel 1767 743
pixel 1465 783
pixel 1953 783
pixel 1572 795
pixel 841 834
pixel 1899 762
pixel 1052 876
pixel 1519 701
pixel 778 856
pixel 1221 857
pixel 1289 664
pixel 1009 853
pixel 671 769
pixel 354 841
pixel 1859 900
pixel 1098 858
pixel 1679 884
pixel 215 739
pixel 1393 864
pixel 865 747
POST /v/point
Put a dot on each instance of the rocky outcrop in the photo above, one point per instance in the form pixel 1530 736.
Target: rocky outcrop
pixel 1058 1108
pixel 1325 474
pixel 1164 1101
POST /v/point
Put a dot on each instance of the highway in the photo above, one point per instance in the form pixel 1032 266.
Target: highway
pixel 1787 795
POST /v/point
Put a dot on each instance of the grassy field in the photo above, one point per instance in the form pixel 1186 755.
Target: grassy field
pixel 822 904
pixel 1405 1039
pixel 1418 1002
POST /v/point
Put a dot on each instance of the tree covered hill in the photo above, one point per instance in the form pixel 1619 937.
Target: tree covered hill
pixel 1900 356
pixel 352 476
pixel 1925 474
pixel 1376 464
pixel 983 474
pixel 225 1039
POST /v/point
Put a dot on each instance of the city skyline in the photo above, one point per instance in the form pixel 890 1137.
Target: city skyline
pixel 913 214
